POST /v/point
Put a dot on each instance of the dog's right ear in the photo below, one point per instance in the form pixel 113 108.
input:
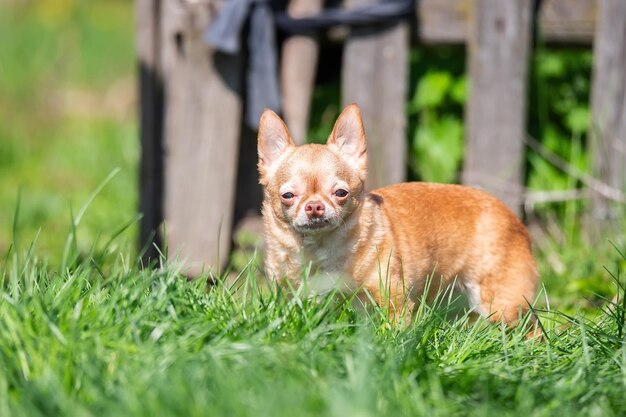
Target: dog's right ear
pixel 273 141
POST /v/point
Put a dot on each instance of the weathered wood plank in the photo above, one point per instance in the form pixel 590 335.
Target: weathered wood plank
pixel 442 21
pixel 568 20
pixel 446 21
pixel 499 38
pixel 202 126
pixel 375 76
pixel 148 15
pixel 608 102
pixel 298 68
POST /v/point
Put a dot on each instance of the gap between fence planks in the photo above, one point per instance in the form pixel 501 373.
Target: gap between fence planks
pixel 608 103
pixel 148 15
pixel 298 69
pixel 498 45
pixel 375 76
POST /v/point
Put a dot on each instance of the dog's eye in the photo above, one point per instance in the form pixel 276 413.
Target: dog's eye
pixel 287 196
pixel 341 193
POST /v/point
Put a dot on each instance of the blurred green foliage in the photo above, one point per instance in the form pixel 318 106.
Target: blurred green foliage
pixel 438 85
pixel 559 114
pixel 66 118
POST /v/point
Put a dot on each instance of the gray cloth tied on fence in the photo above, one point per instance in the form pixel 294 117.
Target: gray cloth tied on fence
pixel 262 88
pixel 224 34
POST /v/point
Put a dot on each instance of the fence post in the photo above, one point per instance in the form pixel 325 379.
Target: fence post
pixel 148 17
pixel 375 76
pixel 298 69
pixel 608 104
pixel 498 44
pixel 202 126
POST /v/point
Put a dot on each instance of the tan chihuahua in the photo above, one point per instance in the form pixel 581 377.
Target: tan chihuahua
pixel 388 241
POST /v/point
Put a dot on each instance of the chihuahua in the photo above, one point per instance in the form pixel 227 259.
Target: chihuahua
pixel 389 241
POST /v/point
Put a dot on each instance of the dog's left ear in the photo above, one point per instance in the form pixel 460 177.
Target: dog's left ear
pixel 274 141
pixel 348 139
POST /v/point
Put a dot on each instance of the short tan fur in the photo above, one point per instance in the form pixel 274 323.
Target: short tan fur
pixel 317 212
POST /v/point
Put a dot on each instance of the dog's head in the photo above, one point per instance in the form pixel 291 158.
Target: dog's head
pixel 313 188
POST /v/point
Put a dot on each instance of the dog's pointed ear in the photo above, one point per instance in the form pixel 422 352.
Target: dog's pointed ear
pixel 348 138
pixel 273 141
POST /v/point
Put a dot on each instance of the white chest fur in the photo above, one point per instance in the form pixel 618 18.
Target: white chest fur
pixel 327 258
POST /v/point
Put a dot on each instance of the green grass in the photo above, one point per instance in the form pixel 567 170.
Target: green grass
pixel 104 337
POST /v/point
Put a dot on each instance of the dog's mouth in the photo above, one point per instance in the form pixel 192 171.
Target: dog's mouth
pixel 315 225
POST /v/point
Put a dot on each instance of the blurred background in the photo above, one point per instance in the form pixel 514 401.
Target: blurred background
pixel 68 119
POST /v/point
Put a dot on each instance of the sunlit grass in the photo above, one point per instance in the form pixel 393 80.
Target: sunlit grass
pixel 102 336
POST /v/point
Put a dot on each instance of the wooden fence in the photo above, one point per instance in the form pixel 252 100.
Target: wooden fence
pixel 198 171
